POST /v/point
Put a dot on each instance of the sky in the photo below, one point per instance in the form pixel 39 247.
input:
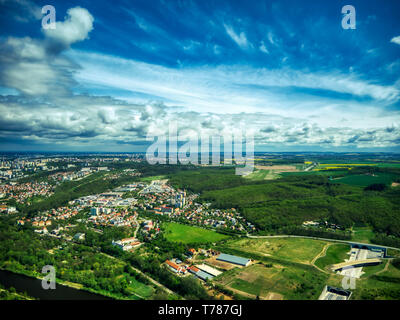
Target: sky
pixel 113 74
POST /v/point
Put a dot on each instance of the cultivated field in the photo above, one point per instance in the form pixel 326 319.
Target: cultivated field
pixel 176 232
pixel 291 249
pixel 278 168
pixel 272 282
pixel 262 175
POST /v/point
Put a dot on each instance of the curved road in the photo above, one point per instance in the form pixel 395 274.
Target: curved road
pixel 323 239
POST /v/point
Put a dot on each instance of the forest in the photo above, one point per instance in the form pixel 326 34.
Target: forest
pixel 92 264
pixel 281 205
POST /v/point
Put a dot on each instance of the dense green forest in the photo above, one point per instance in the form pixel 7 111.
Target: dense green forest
pixel 204 179
pixel 23 251
pixel 287 202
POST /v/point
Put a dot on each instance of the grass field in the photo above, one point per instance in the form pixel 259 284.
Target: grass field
pixel 336 253
pixel 370 270
pixel 364 180
pixel 136 287
pixel 350 164
pixel 283 271
pixel 176 232
pixel 353 163
pixel 262 175
pixel 383 286
pixel 362 234
pixel 290 249
pixel 328 173
pixel 149 179
pixel 260 280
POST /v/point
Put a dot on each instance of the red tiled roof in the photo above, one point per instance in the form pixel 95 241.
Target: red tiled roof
pixel 194 269
pixel 173 265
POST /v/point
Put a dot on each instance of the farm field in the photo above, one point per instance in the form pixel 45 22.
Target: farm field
pixel 353 163
pixel 328 173
pixel 278 168
pixel 176 232
pixel 265 280
pixel 335 253
pixel 344 165
pixel 290 249
pixel 262 175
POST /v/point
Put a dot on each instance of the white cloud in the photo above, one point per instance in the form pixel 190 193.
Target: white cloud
pixel 107 122
pixel 232 88
pixel 37 67
pixel 48 74
pixel 76 27
pixel 271 38
pixel 208 100
pixel 240 39
pixel 396 40
pixel 263 48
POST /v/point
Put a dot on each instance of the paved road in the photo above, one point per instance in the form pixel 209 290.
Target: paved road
pixel 324 239
pixel 356 255
pixel 310 167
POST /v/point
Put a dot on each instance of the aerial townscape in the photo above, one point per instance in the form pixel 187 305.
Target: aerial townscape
pixel 294 228
pixel 204 155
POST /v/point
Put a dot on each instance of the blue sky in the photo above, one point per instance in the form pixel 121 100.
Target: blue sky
pixel 113 72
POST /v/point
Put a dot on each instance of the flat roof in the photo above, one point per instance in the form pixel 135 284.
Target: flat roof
pixel 214 272
pixel 233 259
pixel 203 275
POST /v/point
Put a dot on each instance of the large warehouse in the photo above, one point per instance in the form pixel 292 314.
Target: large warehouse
pixel 234 259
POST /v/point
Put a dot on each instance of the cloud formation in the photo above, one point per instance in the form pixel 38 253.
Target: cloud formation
pixel 76 27
pixel 396 40
pixel 240 39
pixel 49 71
pixel 92 99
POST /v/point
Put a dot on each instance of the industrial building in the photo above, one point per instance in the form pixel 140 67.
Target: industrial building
pixel 210 270
pixel 234 259
pixel 200 273
pixel 332 293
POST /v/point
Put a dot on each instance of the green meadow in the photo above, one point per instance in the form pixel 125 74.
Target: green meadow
pixel 335 253
pixel 176 232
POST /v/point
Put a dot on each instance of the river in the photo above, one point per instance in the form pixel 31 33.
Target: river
pixel 33 287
